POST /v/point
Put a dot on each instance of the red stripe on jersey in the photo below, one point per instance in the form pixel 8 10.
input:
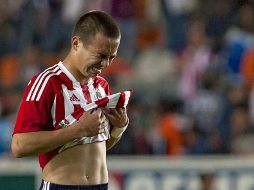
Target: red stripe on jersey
pixel 76 108
pixel 103 83
pixel 67 82
pixel 86 93
pixel 102 102
pixel 121 100
pixel 78 113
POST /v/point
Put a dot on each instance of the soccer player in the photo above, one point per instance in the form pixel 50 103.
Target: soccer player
pixel 60 91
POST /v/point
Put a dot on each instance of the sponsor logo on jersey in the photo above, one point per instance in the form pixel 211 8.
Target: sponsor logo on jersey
pixel 74 98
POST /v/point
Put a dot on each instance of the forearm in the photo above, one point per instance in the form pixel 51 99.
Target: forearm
pixel 116 135
pixel 25 144
pixel 111 142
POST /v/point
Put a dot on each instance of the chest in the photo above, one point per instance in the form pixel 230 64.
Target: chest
pixel 69 99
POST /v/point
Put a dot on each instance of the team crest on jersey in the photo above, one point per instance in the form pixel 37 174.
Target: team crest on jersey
pixel 64 123
pixel 98 94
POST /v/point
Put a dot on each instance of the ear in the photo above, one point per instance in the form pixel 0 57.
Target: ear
pixel 75 42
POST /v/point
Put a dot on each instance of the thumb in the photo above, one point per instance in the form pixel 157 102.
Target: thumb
pixel 99 112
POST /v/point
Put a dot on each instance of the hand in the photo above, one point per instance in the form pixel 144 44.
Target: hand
pixel 91 123
pixel 117 117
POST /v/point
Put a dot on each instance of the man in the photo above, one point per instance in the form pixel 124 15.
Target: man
pixel 61 90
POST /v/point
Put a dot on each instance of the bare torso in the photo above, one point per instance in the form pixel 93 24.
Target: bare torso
pixel 79 165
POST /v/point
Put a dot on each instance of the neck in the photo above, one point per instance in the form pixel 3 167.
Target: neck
pixel 70 63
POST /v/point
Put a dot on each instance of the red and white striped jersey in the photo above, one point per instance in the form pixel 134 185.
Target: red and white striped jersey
pixel 50 97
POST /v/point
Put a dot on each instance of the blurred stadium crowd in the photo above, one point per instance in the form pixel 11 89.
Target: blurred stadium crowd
pixel 189 62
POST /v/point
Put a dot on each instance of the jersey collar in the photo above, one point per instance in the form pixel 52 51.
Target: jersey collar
pixel 67 72
pixel 70 76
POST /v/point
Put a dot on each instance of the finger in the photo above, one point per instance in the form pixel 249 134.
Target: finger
pixel 122 111
pixel 101 130
pixel 119 110
pixel 92 111
pixel 103 113
pixel 97 112
pixel 103 118
pixel 115 112
pixel 110 116
pixel 105 110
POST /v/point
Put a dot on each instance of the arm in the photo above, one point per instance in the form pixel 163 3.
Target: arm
pixel 119 121
pixel 112 141
pixel 25 144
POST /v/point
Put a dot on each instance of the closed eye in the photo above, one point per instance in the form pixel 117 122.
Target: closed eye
pixel 104 56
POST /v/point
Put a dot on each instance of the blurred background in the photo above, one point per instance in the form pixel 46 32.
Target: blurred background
pixel 189 62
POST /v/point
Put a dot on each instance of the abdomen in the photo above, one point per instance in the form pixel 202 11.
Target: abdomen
pixel 80 165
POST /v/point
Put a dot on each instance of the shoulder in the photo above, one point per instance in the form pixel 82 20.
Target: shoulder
pixel 42 84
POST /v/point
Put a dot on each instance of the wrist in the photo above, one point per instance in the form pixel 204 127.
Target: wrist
pixel 117 132
pixel 77 129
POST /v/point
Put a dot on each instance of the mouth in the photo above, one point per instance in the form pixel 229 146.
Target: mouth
pixel 96 70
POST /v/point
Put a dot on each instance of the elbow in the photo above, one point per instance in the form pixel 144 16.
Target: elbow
pixel 16 152
pixel 16 149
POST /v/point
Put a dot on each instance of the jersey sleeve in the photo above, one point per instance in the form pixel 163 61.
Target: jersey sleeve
pixel 35 110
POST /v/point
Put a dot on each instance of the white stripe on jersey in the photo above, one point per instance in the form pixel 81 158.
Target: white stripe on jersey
pixel 127 97
pixel 91 90
pixel 41 80
pixel 45 82
pixel 35 83
pixel 68 106
pixel 101 91
pixel 79 94
pixel 53 112
pixel 72 119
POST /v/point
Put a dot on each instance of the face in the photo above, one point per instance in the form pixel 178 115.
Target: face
pixel 92 58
